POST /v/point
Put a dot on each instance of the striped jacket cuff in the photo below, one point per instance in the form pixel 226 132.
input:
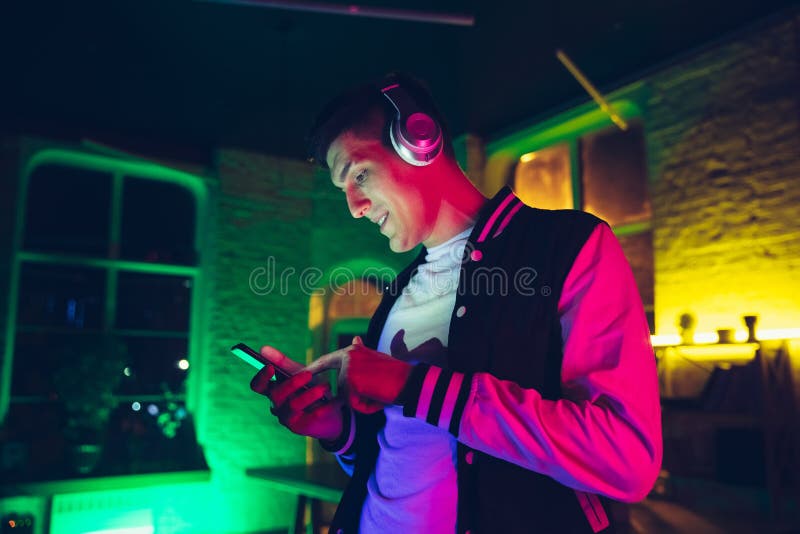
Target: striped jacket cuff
pixel 344 442
pixel 436 395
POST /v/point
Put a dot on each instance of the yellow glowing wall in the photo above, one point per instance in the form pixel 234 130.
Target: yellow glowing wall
pixel 723 138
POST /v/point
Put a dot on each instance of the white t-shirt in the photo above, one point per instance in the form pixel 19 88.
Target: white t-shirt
pixel 416 330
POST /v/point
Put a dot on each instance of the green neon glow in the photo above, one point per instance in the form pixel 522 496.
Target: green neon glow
pixel 569 125
pixel 504 153
pixel 180 502
pixel 104 263
pixel 460 149
pixel 358 268
pixel 157 482
pixel 118 168
pixel 350 324
pixel 133 530
pixel 633 228
pixel 143 169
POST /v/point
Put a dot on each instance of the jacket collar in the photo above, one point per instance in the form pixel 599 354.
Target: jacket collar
pixel 495 215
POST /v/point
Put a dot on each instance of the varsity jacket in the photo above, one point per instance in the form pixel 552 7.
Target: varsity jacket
pixel 539 447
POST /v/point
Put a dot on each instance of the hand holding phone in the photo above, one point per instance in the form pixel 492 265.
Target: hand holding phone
pixel 283 368
pixel 307 410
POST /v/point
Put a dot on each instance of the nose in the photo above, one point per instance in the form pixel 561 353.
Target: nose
pixel 357 203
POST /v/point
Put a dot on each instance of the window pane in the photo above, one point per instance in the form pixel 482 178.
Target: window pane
pixel 74 368
pixel 151 437
pixel 543 179
pixel 158 221
pixel 67 210
pixel 35 358
pixel 615 175
pixel 638 249
pixel 153 302
pixel 61 296
pixel 154 365
pixel 34 446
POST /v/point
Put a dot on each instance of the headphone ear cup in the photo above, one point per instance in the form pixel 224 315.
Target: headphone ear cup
pixel 421 131
pixel 420 142
pixel 415 136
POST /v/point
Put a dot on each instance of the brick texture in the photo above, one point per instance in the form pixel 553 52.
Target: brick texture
pixel 260 220
pixel 723 132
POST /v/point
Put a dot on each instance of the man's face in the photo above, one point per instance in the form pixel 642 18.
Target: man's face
pixel 380 186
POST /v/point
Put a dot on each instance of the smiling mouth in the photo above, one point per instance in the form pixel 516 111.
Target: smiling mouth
pixel 382 220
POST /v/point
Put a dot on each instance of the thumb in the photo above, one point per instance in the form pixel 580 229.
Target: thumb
pixel 357 340
pixel 328 361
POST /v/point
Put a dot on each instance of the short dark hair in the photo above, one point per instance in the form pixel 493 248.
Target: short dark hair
pixel 364 110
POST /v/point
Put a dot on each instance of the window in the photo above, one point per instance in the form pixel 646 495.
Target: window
pixel 100 332
pixel 544 178
pixel 578 161
pixel 614 175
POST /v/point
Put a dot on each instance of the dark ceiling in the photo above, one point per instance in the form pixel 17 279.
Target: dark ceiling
pixel 193 75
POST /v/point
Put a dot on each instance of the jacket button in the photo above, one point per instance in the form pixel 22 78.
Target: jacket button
pixel 461 311
pixel 476 255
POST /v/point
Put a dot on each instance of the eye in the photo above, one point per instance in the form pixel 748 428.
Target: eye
pixel 360 178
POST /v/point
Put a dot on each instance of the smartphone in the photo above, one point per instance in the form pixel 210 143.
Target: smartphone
pixel 258 361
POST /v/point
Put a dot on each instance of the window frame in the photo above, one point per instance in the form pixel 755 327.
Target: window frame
pixel 118 169
pixel 503 153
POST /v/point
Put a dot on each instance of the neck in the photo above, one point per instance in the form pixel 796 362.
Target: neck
pixel 460 202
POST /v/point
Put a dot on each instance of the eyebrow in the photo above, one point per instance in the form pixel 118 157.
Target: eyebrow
pixel 343 172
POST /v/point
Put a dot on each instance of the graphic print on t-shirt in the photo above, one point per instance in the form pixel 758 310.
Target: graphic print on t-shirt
pixel 431 351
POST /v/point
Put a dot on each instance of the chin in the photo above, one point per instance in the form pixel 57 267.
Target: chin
pixel 398 246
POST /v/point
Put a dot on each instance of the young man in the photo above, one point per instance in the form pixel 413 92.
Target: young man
pixel 507 382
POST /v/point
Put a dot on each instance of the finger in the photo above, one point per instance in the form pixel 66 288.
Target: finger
pixel 306 398
pixel 328 361
pixel 363 404
pixel 279 393
pixel 261 381
pixel 341 379
pixel 281 360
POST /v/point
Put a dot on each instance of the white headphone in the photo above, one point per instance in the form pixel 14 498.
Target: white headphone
pixel 415 135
